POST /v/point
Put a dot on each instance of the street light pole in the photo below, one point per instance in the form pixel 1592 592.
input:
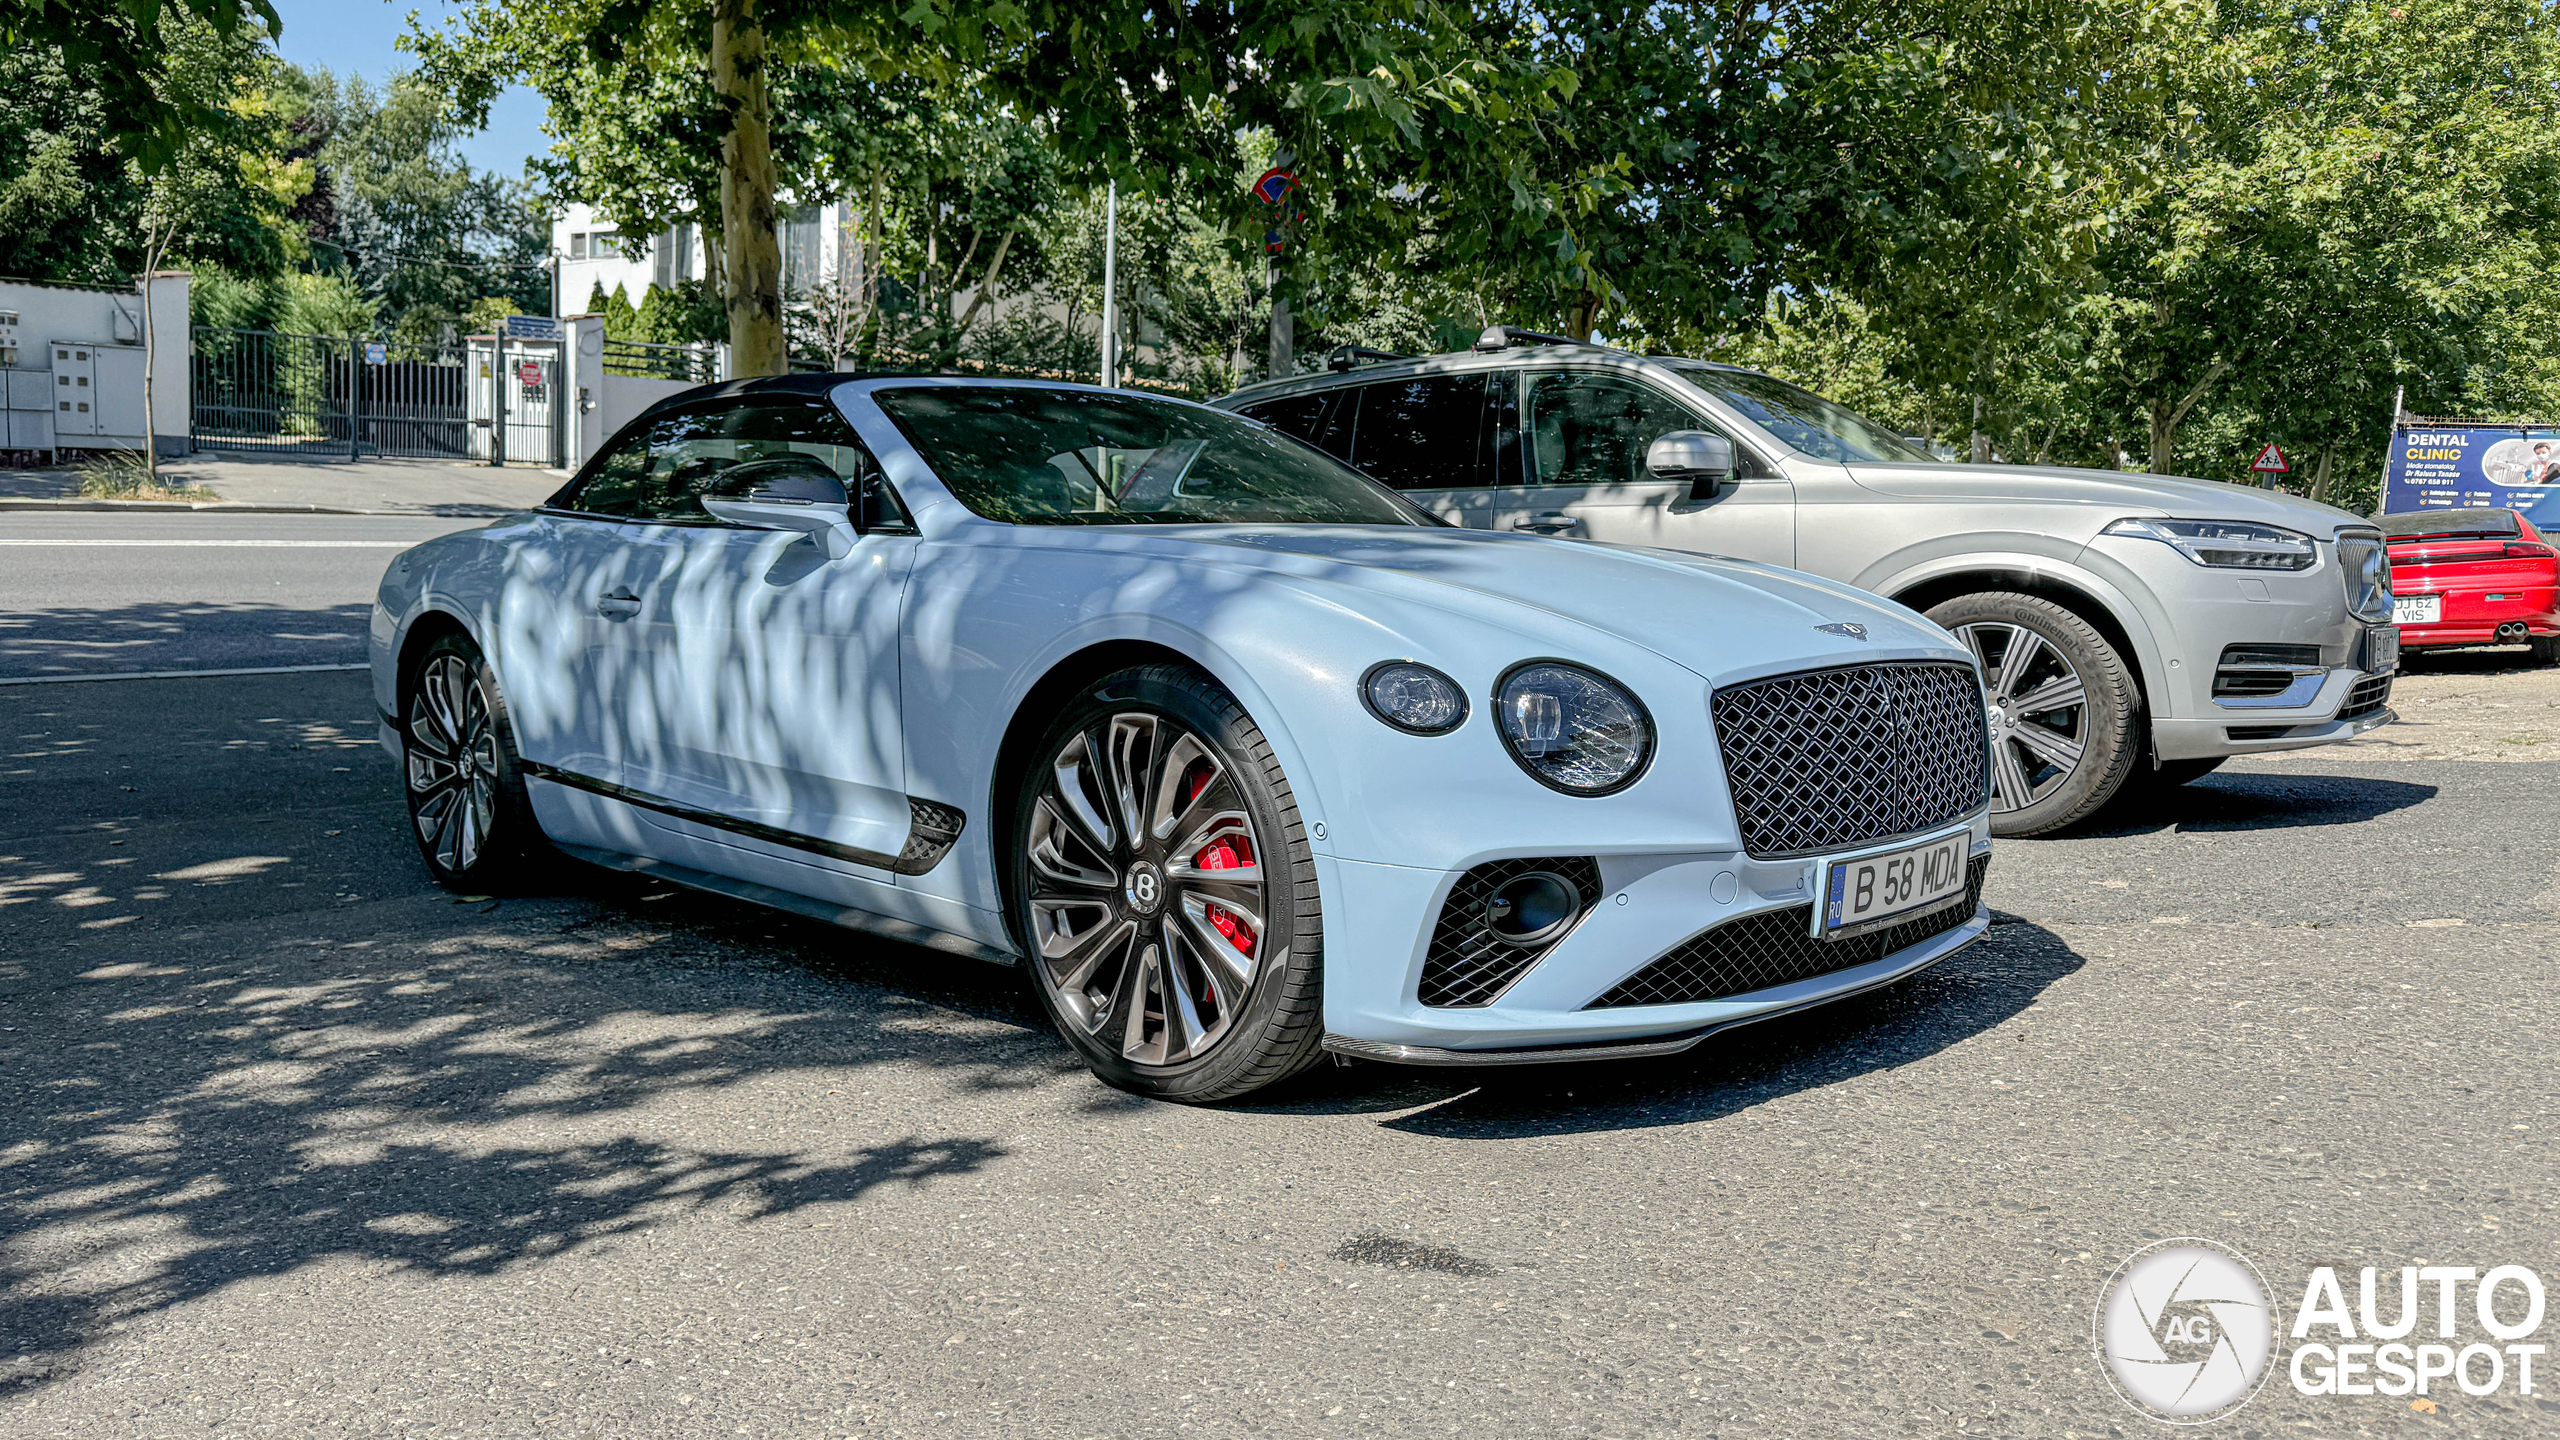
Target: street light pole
pixel 1111 289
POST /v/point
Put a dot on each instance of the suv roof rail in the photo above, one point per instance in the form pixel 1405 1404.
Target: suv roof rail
pixel 1503 337
pixel 1345 357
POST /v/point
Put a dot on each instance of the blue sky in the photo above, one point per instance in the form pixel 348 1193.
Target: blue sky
pixel 354 37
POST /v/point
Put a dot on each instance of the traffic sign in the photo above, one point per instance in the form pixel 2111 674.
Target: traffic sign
pixel 1274 186
pixel 529 372
pixel 377 353
pixel 2271 461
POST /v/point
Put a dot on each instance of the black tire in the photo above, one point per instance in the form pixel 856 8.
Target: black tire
pixel 462 776
pixel 1117 919
pixel 2100 730
pixel 2546 649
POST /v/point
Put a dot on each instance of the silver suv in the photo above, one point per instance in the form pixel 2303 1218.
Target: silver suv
pixel 2132 628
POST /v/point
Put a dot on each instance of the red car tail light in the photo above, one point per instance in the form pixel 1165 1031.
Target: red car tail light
pixel 2527 550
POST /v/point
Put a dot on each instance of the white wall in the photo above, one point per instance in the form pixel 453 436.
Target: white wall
pixel 83 348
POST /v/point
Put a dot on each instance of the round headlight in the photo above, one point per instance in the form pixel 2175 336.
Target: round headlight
pixel 1573 729
pixel 1414 697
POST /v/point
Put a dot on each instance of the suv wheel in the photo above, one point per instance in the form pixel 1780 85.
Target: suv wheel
pixel 2065 714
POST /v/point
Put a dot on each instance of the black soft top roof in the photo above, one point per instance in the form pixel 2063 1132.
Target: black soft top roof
pixel 2450 522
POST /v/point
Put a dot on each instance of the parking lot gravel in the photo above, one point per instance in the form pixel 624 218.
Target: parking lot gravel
pixel 292 1143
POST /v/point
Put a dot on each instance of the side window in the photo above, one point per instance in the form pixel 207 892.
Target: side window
pixel 1322 419
pixel 1589 429
pixel 1429 432
pixel 662 472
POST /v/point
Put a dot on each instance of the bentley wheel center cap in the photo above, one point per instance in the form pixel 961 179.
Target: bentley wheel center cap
pixel 1145 889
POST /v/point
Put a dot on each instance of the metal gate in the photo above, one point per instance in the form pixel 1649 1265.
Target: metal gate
pixel 515 400
pixel 329 395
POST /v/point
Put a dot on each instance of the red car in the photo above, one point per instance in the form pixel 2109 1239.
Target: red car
pixel 2474 577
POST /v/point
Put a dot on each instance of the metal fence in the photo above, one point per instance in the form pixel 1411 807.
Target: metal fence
pixel 326 394
pixel 644 361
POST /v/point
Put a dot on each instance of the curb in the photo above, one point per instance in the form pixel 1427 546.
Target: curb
pixel 242 507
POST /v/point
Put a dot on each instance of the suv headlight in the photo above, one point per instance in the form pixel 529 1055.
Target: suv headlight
pixel 2227 544
pixel 2365 558
pixel 1572 729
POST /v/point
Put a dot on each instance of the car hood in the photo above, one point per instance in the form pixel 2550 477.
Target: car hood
pixel 1721 618
pixel 2122 491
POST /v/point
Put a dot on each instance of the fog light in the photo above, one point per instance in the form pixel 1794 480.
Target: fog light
pixel 1532 909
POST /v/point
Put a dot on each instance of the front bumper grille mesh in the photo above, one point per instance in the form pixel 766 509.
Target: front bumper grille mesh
pixel 1828 759
pixel 1775 947
pixel 1467 964
pixel 2371 694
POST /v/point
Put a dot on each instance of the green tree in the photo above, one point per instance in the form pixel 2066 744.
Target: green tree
pixel 128 55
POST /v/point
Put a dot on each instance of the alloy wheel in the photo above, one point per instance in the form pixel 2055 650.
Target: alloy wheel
pixel 452 763
pixel 1147 891
pixel 2039 712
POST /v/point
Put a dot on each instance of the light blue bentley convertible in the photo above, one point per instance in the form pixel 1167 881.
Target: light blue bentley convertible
pixel 1244 757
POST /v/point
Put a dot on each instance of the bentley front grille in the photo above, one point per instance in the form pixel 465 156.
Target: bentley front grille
pixel 1829 759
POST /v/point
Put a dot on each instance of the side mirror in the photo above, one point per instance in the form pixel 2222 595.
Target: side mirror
pixel 1704 460
pixel 793 492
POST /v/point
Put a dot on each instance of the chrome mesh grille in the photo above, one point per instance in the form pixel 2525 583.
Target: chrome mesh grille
pixel 1827 759
pixel 2371 694
pixel 1467 964
pixel 1775 947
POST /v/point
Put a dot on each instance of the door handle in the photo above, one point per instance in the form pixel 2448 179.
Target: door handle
pixel 618 605
pixel 1545 524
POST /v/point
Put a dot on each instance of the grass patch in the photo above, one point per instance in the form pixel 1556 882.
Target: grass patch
pixel 121 475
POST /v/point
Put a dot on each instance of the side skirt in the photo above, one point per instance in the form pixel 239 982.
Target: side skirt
pixel 887 927
pixel 931 828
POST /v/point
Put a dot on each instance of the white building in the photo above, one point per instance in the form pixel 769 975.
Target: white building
pixel 593 253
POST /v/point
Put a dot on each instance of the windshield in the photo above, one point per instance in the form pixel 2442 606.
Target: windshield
pixel 1031 456
pixel 1803 419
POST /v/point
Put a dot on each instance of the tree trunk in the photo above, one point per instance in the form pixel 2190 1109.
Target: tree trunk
pixel 1979 449
pixel 2166 417
pixel 752 252
pixel 2320 475
pixel 1582 316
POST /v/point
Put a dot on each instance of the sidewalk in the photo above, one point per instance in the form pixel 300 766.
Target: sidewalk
pixel 304 483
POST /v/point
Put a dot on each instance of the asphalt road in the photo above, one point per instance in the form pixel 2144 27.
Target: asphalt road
pixel 92 592
pixel 292 1143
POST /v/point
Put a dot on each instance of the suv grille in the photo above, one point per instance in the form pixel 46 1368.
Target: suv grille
pixel 1467 963
pixel 1832 758
pixel 2371 694
pixel 1775 948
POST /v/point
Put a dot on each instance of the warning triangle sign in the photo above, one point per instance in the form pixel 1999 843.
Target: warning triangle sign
pixel 2271 461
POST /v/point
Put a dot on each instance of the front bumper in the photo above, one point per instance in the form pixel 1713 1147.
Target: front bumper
pixel 2202 613
pixel 1648 906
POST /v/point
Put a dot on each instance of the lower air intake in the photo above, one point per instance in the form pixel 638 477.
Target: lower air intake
pixel 1775 947
pixel 1469 963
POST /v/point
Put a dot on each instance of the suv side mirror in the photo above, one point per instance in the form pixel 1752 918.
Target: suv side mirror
pixel 788 492
pixel 1704 460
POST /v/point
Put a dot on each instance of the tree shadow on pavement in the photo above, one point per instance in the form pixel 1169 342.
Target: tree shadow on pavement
pixel 1967 994
pixel 205 1079
pixel 178 637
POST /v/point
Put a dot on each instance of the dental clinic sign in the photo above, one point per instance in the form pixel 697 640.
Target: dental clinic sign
pixel 2457 1323
pixel 2189 1332
pixel 2435 466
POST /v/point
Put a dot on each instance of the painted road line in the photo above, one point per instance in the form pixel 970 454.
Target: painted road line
pixel 181 674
